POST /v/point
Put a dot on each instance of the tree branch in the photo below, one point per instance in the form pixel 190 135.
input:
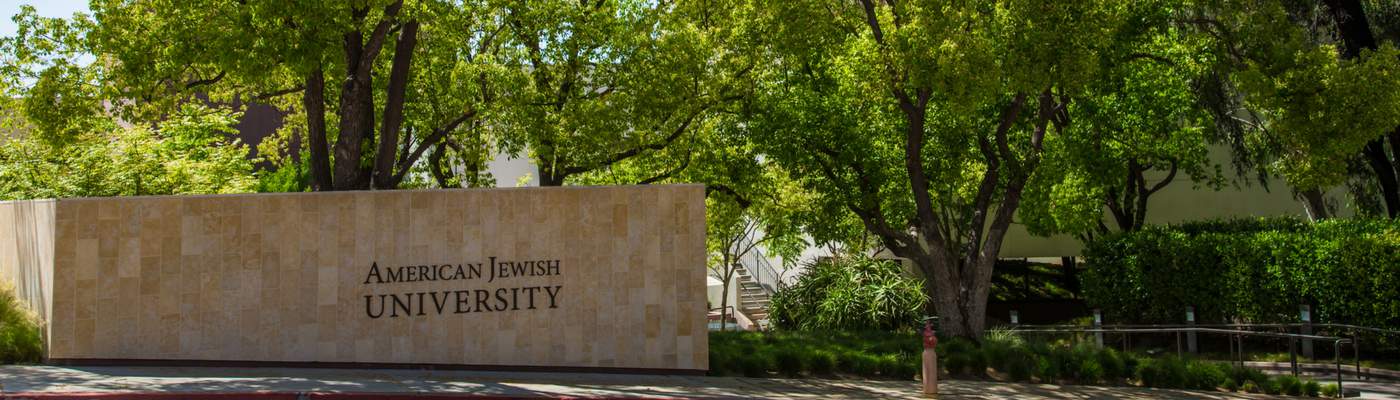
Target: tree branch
pixel 1171 174
pixel 279 93
pixel 668 173
pixel 632 152
pixel 719 188
pixel 208 81
pixel 376 37
pixel 873 20
pixel 431 140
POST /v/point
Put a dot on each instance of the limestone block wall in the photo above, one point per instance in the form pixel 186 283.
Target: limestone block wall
pixel 609 277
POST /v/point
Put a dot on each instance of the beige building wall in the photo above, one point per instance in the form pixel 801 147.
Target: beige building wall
pixel 26 252
pixel 607 277
pixel 1181 201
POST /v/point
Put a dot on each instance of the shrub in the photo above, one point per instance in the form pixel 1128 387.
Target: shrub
pixel 1205 376
pixel 1289 385
pixel 1269 386
pixel 1249 269
pixel 755 365
pixel 1065 363
pixel 1089 371
pixel 959 356
pixel 847 360
pixel 884 356
pixel 1048 370
pixel 821 362
pixel 1330 390
pixel 959 363
pixel 1130 365
pixel 1112 363
pixel 1250 387
pixel 788 362
pixel 867 365
pixel 996 354
pixel 851 293
pixel 20 341
pixel 1020 364
pixel 720 360
pixel 905 366
pixel 1167 372
pixel 1311 388
pixel 1243 374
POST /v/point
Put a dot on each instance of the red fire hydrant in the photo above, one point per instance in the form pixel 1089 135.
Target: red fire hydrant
pixel 930 361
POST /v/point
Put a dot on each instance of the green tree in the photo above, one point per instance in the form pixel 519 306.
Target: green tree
pixel 926 119
pixel 1143 115
pixel 61 139
pixel 1311 96
pixel 405 79
pixel 189 153
pixel 766 221
pixel 612 81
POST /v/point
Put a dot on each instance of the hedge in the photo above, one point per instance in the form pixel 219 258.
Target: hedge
pixel 1255 270
pixel 1002 355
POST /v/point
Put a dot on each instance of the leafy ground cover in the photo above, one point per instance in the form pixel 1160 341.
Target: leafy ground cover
pixel 1001 356
pixel 19 331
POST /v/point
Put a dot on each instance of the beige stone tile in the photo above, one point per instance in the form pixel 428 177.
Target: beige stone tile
pixel 224 277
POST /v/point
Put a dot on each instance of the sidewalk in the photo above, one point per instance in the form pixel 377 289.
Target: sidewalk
pixel 52 382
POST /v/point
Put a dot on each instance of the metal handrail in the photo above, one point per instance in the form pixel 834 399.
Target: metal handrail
pixel 1280 325
pixel 760 266
pixel 1236 334
pixel 1112 329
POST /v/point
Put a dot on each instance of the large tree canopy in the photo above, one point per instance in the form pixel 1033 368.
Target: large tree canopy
pixel 381 92
pixel 372 85
pixel 928 119
pixel 927 127
pixel 614 81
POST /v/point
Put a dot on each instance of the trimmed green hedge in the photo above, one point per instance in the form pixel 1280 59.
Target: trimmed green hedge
pixel 1002 355
pixel 1256 270
pixel 877 355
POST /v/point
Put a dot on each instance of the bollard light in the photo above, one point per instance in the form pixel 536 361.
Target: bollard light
pixel 1190 314
pixel 1015 317
pixel 1305 313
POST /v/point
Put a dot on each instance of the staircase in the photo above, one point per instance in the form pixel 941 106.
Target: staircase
pixel 753 297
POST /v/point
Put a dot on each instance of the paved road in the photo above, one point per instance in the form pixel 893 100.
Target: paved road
pixel 113 380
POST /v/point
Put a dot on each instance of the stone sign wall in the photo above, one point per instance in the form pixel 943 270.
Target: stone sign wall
pixel 595 277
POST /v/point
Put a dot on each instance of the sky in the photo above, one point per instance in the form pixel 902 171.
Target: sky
pixel 47 8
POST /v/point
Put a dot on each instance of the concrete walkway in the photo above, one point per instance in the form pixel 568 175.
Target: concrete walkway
pixel 51 381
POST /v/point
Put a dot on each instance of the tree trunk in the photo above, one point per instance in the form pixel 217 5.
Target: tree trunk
pixel 384 176
pixel 548 179
pixel 315 104
pixel 1385 175
pixel 724 297
pixel 1315 203
pixel 953 293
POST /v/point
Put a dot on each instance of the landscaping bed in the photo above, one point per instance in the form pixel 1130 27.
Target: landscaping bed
pixel 1001 356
